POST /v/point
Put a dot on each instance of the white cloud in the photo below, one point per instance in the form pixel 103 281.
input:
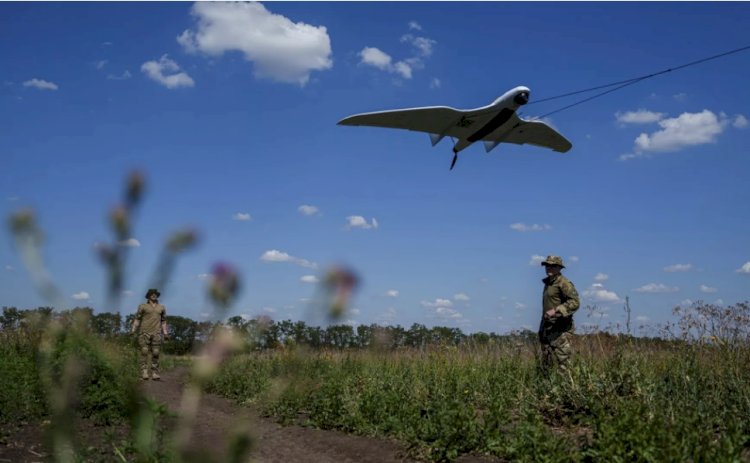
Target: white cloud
pixel 687 129
pixel 573 259
pixel 707 289
pixel 357 221
pixel 124 76
pixel 437 303
pixel 522 227
pixel 130 243
pixel 309 279
pixel 422 48
pixel 375 57
pixel 127 293
pixel 354 311
pixel 657 288
pixel 598 293
pixel 678 268
pixel 82 296
pixel 268 310
pixel 392 293
pixel 461 297
pixel 744 269
pixel 388 316
pixel 204 276
pixel 242 216
pixel 167 72
pixel 40 84
pixel 536 259
pixel 100 64
pixel 279 48
pixel 685 303
pixel 642 318
pixel 415 25
pixel 278 256
pixel 307 209
pixel 435 83
pixel 740 122
pixel 601 277
pixel 447 313
pixel 641 116
pixel 681 97
pixel 520 306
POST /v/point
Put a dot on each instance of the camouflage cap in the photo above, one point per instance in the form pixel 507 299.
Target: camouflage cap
pixel 152 291
pixel 553 260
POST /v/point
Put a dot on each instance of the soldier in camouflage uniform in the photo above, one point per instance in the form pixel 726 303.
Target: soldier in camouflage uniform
pixel 151 318
pixel 559 302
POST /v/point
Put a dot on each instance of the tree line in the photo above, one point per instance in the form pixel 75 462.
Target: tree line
pixel 186 335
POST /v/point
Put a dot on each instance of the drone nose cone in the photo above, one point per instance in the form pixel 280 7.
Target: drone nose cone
pixel 522 98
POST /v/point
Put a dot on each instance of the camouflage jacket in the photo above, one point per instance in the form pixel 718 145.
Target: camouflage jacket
pixel 559 293
pixel 150 317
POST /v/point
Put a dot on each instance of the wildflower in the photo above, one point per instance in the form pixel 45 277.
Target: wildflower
pixel 224 284
pixel 182 240
pixel 134 189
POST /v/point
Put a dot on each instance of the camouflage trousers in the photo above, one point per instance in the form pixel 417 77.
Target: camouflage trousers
pixel 557 348
pixel 150 345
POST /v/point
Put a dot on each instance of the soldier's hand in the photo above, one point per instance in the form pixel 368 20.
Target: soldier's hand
pixel 550 314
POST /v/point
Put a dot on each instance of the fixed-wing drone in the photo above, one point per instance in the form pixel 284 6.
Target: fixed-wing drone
pixel 493 124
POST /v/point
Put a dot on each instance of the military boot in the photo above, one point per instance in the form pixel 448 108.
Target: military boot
pixel 144 376
pixel 155 376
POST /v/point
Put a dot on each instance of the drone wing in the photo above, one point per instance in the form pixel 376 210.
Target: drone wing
pixel 440 120
pixel 532 132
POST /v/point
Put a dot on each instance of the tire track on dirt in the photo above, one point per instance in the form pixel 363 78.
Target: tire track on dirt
pixel 272 442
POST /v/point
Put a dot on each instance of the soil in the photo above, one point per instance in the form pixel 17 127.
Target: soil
pixel 215 422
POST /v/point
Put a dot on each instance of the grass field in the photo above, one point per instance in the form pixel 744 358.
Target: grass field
pixel 622 400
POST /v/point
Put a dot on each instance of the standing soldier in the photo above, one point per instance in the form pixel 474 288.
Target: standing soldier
pixel 151 318
pixel 559 301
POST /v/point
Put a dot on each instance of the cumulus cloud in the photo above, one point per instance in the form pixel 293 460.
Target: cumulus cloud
pixel 278 256
pixel 740 122
pixel 435 83
pixel 124 76
pixel 744 269
pixel 598 293
pixel 307 209
pixel 167 72
pixel 279 48
pixel 82 296
pixel 522 227
pixel 422 48
pixel 357 221
pixel 601 277
pixel 707 289
pixel 40 84
pixel 100 64
pixel 654 288
pixel 536 259
pixel 392 293
pixel 641 116
pixel 130 243
pixel 437 303
pixel 242 216
pixel 461 297
pixel 678 268
pixel 687 129
pixel 309 279
pixel 415 25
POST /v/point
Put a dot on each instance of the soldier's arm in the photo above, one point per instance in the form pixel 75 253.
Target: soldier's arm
pixel 136 320
pixel 164 323
pixel 572 301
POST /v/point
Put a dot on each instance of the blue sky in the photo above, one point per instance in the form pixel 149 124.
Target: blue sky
pixel 231 111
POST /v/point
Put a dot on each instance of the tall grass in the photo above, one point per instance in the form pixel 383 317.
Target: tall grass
pixel 620 401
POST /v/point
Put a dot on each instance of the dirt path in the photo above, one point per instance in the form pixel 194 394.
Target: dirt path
pixel 272 442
